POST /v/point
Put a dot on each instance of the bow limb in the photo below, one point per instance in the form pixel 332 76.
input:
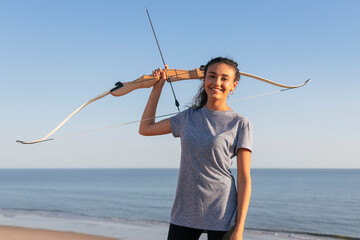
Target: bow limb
pixel 46 138
pixel 272 82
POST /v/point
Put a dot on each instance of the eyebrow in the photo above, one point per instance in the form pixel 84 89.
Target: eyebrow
pixel 225 75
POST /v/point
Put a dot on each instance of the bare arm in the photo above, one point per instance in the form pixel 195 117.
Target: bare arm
pixel 148 126
pixel 244 191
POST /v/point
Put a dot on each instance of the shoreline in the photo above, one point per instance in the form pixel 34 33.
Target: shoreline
pixel 18 226
pixel 71 227
pixel 20 233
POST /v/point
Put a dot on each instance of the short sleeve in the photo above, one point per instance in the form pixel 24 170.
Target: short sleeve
pixel 245 135
pixel 176 122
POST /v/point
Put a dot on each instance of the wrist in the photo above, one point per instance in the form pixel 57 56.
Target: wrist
pixel 158 87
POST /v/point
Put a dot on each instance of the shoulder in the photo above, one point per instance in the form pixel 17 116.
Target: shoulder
pixel 243 123
pixel 243 120
pixel 182 116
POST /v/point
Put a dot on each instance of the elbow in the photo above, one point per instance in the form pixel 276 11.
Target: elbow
pixel 142 132
pixel 142 129
pixel 244 179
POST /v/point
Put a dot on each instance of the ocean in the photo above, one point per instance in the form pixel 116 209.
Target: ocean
pixel 318 203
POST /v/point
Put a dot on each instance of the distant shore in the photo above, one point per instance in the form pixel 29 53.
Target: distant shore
pixel 21 233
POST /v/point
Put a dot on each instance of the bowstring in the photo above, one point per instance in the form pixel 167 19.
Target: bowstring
pixel 160 116
pixel 259 95
pixel 113 126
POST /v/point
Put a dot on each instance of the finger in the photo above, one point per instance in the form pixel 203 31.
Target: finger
pixel 166 73
pixel 163 74
pixel 156 73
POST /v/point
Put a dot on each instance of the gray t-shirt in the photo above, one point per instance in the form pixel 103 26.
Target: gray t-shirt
pixel 206 196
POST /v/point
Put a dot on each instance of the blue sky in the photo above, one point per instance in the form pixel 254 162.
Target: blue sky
pixel 56 55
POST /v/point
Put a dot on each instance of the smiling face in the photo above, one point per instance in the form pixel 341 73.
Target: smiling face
pixel 218 82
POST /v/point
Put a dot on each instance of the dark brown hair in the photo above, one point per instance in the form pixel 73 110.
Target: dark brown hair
pixel 201 97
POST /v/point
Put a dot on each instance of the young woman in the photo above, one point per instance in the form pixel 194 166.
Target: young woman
pixel 211 135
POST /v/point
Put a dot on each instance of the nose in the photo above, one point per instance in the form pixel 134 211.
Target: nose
pixel 217 81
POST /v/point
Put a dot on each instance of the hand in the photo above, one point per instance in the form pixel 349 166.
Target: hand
pixel 161 74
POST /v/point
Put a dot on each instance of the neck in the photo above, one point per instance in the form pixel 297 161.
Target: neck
pixel 217 106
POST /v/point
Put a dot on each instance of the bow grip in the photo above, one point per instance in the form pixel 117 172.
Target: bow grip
pixel 118 85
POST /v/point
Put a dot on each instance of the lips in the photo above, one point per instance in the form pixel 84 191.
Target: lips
pixel 216 90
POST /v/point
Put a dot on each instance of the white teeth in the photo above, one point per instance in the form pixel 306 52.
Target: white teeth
pixel 216 89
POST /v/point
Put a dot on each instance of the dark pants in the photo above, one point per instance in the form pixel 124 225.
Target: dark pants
pixel 184 233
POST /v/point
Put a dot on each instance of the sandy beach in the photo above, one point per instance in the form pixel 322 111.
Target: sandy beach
pixel 20 233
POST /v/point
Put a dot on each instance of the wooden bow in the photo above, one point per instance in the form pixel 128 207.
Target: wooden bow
pixel 147 81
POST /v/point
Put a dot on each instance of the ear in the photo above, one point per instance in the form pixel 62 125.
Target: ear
pixel 235 84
